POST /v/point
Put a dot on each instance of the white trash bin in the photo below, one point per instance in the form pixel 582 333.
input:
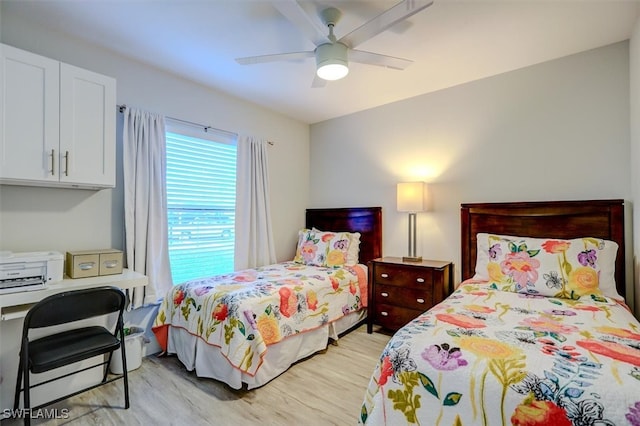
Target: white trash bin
pixel 133 346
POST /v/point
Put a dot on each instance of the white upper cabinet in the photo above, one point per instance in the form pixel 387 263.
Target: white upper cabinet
pixel 29 116
pixel 57 123
pixel 87 127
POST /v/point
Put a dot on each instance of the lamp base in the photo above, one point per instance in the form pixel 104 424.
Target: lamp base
pixel 412 258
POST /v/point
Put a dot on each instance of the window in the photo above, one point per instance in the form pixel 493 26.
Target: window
pixel 201 195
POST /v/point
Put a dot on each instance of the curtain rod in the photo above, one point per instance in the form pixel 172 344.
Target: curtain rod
pixel 206 128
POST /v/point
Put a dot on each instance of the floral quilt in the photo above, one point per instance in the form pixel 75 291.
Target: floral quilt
pixel 244 312
pixel 490 357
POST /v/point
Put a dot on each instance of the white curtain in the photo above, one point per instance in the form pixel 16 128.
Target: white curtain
pixel 145 203
pixel 254 237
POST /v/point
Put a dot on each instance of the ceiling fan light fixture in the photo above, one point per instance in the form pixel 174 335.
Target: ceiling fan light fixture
pixel 332 61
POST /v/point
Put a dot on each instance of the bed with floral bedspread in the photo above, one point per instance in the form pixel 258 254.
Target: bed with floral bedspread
pixel 538 337
pixel 244 312
pixel 489 357
pixel 248 327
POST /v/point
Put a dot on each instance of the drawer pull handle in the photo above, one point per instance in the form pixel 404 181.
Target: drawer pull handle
pixel 420 300
pixel 384 275
pixel 384 313
pixel 384 294
pixel 110 263
pixel 420 280
pixel 85 266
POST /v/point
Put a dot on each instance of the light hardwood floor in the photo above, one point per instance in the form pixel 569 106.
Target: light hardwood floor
pixel 325 389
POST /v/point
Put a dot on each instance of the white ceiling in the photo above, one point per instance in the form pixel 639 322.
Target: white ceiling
pixel 450 42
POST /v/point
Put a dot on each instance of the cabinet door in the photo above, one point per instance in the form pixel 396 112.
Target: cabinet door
pixel 87 127
pixel 29 120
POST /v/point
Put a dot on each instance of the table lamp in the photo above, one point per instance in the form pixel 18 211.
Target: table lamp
pixel 411 199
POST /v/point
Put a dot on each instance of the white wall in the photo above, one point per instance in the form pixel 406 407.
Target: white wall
pixel 634 67
pixel 554 131
pixel 65 219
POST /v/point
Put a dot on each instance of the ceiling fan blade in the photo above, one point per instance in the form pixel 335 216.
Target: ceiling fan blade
pixel 386 19
pixel 376 59
pixel 292 56
pixel 296 14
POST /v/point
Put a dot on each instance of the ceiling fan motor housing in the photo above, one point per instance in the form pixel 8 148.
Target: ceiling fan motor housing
pixel 332 61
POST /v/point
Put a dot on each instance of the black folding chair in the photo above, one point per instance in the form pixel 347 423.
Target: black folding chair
pixel 77 343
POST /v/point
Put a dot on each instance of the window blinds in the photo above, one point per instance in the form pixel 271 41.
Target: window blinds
pixel 201 188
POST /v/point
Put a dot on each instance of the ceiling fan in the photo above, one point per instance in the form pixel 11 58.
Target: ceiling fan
pixel 333 55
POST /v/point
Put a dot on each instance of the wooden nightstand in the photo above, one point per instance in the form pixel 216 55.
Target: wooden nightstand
pixel 400 291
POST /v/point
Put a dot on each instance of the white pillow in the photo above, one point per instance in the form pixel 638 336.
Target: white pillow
pixel 354 249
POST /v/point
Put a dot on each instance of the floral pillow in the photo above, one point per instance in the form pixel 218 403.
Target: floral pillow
pixel 354 247
pixel 548 267
pixel 317 248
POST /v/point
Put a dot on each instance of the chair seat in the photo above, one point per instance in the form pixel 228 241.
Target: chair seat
pixel 71 346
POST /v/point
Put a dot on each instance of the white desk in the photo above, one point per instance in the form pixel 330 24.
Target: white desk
pixel 126 280
pixel 14 307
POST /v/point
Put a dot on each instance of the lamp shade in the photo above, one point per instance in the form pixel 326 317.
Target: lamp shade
pixel 332 61
pixel 411 197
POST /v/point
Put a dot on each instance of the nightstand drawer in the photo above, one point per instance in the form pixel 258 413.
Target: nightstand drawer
pixel 394 317
pixel 399 275
pixel 419 299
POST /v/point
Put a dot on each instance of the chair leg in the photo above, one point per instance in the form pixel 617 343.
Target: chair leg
pixel 108 366
pixel 26 394
pixel 16 398
pixel 126 389
pixel 125 374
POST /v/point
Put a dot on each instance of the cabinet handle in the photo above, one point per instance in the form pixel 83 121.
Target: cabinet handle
pixel 384 313
pixel 384 294
pixel 420 300
pixel 110 263
pixel 384 275
pixel 53 162
pixel 420 280
pixel 66 163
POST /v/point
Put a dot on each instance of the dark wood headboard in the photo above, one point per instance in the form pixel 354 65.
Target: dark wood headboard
pixel 539 219
pixel 365 220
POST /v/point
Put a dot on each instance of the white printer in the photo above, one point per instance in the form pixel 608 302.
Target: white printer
pixel 29 270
